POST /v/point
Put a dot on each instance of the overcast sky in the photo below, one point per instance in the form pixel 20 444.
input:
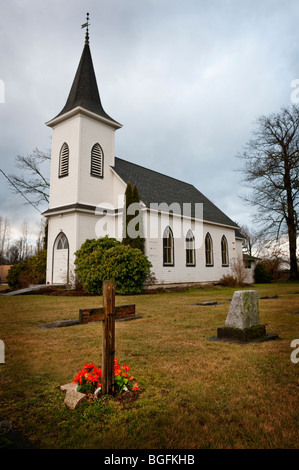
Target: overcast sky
pixel 187 79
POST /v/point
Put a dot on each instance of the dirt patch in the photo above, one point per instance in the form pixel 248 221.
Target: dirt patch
pixel 127 397
pixel 5 291
pixel 124 398
pixel 56 291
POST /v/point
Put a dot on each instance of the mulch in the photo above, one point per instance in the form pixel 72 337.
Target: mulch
pixel 56 291
pixel 125 398
pixel 61 292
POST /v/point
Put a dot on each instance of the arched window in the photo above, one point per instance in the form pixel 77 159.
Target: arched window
pixel 209 250
pixel 168 247
pixel 64 160
pixel 190 249
pixel 224 251
pixel 97 161
pixel 62 242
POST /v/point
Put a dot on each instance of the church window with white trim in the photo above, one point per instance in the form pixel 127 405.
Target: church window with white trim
pixel 168 247
pixel 190 249
pixel 209 250
pixel 224 251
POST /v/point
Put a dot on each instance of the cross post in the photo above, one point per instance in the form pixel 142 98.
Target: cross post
pixel 107 314
pixel 108 338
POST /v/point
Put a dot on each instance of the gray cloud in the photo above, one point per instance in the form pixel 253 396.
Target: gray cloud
pixel 186 80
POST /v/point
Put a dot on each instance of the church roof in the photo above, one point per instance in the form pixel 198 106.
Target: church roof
pixel 154 187
pixel 84 91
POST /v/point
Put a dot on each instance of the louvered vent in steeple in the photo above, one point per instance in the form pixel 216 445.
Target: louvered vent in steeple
pixel 97 161
pixel 64 160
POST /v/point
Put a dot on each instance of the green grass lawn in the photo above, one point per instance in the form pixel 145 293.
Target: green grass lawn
pixel 195 393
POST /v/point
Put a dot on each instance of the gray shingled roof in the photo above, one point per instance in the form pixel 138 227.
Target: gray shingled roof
pixel 155 187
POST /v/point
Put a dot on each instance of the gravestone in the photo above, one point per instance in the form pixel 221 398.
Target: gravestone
pixel 242 321
pixel 72 398
pixel 244 310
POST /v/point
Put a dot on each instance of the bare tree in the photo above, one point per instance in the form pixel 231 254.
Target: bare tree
pixel 253 240
pixel 33 183
pixel 4 238
pixel 23 242
pixel 13 254
pixel 41 236
pixel 271 170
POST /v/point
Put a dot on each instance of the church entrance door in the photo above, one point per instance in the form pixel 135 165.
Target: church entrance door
pixel 61 260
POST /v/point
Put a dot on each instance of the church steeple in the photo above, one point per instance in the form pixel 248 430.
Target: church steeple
pixel 84 91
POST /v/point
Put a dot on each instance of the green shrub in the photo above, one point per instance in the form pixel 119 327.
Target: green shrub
pixel 89 260
pixel 30 271
pixel 128 267
pixel 14 273
pixel 106 258
pixel 261 275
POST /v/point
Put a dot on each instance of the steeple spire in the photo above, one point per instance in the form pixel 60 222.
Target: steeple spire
pixel 84 92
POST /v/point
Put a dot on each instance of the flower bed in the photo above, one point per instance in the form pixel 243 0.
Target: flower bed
pixel 89 379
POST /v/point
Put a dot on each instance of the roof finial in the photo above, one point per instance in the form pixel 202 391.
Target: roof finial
pixel 85 25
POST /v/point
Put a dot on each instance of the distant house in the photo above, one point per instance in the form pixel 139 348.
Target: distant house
pixel 3 272
pixel 250 264
pixel 87 180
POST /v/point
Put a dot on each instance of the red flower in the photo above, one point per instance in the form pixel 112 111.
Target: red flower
pixel 78 377
pixel 97 371
pixel 91 375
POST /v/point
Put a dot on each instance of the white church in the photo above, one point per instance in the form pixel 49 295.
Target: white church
pixel 187 238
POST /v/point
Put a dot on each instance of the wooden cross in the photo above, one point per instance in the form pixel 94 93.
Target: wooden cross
pixel 107 314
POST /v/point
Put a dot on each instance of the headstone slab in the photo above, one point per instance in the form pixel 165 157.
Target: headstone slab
pixel 73 398
pixel 244 310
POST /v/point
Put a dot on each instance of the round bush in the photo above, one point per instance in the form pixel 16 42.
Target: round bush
pixel 128 267
pixel 89 260
pixel 106 258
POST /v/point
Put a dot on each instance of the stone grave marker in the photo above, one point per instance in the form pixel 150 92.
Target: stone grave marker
pixel 242 322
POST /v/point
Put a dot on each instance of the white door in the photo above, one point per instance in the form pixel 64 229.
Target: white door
pixel 61 260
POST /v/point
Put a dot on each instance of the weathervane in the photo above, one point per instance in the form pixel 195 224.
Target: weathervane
pixel 85 25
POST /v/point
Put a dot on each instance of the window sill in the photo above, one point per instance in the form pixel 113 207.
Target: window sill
pixel 96 176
